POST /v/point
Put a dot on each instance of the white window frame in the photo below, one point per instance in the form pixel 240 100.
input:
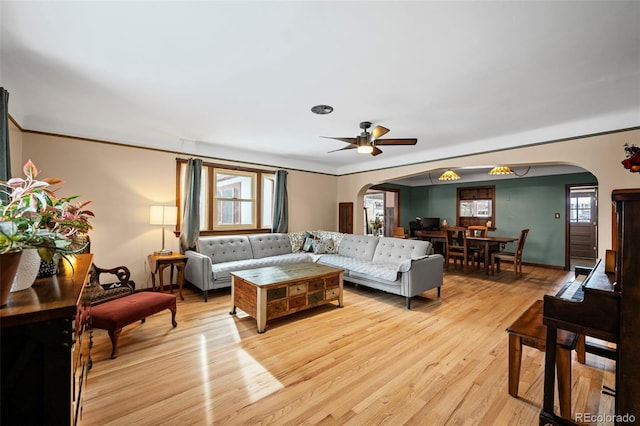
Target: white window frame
pixel 252 199
pixel 262 216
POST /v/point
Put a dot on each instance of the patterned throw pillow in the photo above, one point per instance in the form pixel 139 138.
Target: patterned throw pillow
pixel 319 247
pixel 335 237
pixel 297 240
pixel 330 247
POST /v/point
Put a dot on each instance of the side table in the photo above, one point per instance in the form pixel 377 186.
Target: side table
pixel 157 265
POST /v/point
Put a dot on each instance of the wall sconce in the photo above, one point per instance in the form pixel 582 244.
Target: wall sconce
pixel 163 215
pixel 449 175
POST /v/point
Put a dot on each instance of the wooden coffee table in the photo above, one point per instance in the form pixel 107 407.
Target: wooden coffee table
pixel 276 291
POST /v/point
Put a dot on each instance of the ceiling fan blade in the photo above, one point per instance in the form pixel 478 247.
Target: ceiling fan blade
pixel 376 151
pixel 342 149
pixel 347 140
pixel 396 141
pixel 379 131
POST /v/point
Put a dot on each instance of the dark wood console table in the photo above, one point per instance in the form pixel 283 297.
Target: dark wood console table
pixel 44 348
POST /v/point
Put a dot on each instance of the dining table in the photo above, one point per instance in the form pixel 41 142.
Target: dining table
pixel 489 243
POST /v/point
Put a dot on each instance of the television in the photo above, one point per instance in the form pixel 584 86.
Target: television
pixel 426 223
pixel 431 223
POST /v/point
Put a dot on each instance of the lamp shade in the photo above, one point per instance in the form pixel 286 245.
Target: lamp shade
pixel 163 215
pixel 500 170
pixel 449 175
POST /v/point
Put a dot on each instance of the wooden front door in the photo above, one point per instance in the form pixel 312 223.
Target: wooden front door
pixel 583 222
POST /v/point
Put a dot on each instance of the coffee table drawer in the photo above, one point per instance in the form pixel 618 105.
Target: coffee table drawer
pixel 315 285
pixel 332 281
pixel 277 308
pixel 276 293
pixel 332 293
pixel 316 297
pixel 298 301
pixel 298 288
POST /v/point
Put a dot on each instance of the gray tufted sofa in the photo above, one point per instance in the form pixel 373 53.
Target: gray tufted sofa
pixel 399 266
pixel 395 265
pixel 217 257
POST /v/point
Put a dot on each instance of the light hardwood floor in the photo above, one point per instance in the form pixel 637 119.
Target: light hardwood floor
pixel 371 362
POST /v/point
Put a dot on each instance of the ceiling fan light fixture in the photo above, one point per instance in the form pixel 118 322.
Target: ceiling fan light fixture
pixel 365 149
pixel 500 170
pixel 449 175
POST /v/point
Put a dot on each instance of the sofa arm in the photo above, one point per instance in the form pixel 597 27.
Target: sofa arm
pixel 425 274
pixel 198 270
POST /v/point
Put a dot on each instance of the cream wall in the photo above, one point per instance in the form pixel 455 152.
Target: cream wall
pixel 122 182
pixel 601 155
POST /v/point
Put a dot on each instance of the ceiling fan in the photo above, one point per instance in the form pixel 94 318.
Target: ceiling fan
pixel 368 142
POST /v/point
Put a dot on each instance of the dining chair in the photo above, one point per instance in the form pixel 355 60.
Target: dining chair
pixel 458 248
pixel 514 257
pixel 478 231
pixel 398 232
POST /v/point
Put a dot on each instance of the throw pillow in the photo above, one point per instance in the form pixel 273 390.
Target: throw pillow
pixel 308 245
pixel 297 241
pixel 319 247
pixel 330 247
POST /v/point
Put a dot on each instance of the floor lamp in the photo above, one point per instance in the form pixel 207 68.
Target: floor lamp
pixel 163 215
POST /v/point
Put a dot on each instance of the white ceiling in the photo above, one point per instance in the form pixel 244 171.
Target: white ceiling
pixel 236 80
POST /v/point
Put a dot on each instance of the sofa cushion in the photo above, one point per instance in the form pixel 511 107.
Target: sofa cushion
pixel 265 245
pixel 396 250
pixel 383 271
pixel 222 271
pixel 358 246
pixel 225 249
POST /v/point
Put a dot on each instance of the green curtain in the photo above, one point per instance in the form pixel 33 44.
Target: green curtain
pixel 280 202
pixel 5 158
pixel 190 230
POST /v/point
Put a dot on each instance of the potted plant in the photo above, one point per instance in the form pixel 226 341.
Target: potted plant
pixel 376 226
pixel 632 160
pixel 33 217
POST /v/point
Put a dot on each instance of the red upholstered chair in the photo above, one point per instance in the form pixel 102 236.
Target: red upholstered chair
pixel 118 285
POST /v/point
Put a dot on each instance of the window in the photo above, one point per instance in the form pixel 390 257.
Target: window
pixel 232 199
pixel 580 210
pixel 476 206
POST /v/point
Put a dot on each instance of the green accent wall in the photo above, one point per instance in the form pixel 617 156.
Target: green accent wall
pixel 520 203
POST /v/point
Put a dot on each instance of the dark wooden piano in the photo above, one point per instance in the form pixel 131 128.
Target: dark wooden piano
pixel 605 306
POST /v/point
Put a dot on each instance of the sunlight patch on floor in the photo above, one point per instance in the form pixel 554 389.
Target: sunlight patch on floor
pixel 258 381
pixel 204 368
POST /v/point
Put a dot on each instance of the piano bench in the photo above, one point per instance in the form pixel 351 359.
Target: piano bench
pixel 528 330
